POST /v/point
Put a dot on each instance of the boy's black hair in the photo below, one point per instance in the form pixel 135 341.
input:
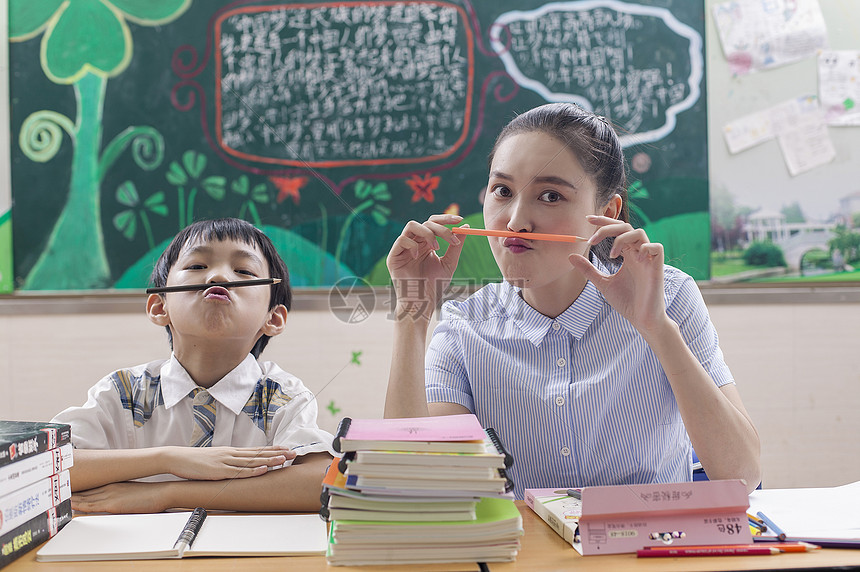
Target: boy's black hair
pixel 229 229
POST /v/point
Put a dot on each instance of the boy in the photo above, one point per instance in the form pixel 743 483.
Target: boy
pixel 242 418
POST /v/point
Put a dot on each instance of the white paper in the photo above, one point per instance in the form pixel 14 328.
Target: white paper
pixel 832 512
pixel 748 131
pixel 761 34
pixel 839 86
pixel 783 119
pixel 806 143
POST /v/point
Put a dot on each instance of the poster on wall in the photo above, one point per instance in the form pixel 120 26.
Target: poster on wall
pixel 758 35
pixel 328 124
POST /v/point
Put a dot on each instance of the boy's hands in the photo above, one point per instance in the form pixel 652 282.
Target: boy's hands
pixel 192 463
pixel 218 463
pixel 296 488
pixel 123 498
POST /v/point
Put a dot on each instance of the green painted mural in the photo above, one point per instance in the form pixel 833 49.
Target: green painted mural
pixel 329 124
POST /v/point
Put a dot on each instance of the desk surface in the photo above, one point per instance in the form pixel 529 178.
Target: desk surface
pixel 542 549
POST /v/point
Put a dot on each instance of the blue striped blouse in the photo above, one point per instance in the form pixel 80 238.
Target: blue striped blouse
pixel 580 399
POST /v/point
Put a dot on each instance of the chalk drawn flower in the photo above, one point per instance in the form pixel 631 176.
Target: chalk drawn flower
pixel 258 194
pixel 126 221
pixel 289 187
pixel 423 187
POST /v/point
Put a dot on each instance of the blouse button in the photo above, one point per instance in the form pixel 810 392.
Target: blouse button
pixel 565 451
pixel 559 400
pixel 555 326
pixel 560 362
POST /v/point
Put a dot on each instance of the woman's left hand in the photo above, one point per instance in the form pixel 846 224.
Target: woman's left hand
pixel 636 290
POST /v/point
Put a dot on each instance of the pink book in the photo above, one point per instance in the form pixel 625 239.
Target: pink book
pixel 444 433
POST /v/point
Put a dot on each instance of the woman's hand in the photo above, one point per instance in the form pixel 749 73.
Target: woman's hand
pixel 419 275
pixel 636 290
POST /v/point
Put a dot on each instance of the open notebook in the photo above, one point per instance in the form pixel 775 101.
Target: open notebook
pixel 153 536
pixel 827 516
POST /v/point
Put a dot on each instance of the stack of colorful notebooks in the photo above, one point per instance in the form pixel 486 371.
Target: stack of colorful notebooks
pixel 35 490
pixel 418 491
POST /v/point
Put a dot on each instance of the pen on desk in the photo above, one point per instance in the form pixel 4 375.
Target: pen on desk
pixel 233 284
pixel 575 493
pixel 189 533
pixel 773 527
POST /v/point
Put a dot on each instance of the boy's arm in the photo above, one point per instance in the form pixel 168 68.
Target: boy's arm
pixel 295 488
pixel 93 468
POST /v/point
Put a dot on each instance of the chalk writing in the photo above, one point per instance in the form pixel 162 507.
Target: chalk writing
pixel 637 65
pixel 344 84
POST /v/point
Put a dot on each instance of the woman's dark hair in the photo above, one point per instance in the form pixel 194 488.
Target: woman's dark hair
pixel 228 229
pixel 591 139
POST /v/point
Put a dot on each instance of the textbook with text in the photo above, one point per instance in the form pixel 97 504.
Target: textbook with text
pixel 35 468
pixel 34 532
pixel 559 510
pixel 22 439
pixel 25 503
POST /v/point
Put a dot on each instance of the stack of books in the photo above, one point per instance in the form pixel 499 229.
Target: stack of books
pixel 35 490
pixel 418 491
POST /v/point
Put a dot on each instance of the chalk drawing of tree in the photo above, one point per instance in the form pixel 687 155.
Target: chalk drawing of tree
pixel 84 42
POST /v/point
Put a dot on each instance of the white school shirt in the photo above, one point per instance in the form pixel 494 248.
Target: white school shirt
pixel 580 399
pixel 256 404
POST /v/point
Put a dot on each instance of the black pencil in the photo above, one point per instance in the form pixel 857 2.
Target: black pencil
pixel 191 287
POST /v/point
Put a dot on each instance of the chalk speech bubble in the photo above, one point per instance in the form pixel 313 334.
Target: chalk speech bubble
pixel 637 65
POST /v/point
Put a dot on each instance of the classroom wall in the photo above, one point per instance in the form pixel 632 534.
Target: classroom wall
pixel 797 368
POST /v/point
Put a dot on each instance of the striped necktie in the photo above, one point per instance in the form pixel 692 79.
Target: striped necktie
pixel 204 418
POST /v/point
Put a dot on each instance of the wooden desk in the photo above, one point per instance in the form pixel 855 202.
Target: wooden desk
pixel 542 550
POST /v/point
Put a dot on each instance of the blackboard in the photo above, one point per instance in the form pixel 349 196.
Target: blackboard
pixel 327 124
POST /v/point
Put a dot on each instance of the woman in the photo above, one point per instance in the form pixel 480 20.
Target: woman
pixel 594 362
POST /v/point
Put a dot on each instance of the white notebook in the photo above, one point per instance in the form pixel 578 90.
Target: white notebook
pixel 153 536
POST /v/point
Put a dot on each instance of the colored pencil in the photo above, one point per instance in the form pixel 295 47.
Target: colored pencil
pixel 523 235
pixel 708 551
pixel 780 546
pixel 233 284
pixel 773 527
pixel 757 522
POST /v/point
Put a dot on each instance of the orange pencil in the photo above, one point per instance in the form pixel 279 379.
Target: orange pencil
pixel 523 235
